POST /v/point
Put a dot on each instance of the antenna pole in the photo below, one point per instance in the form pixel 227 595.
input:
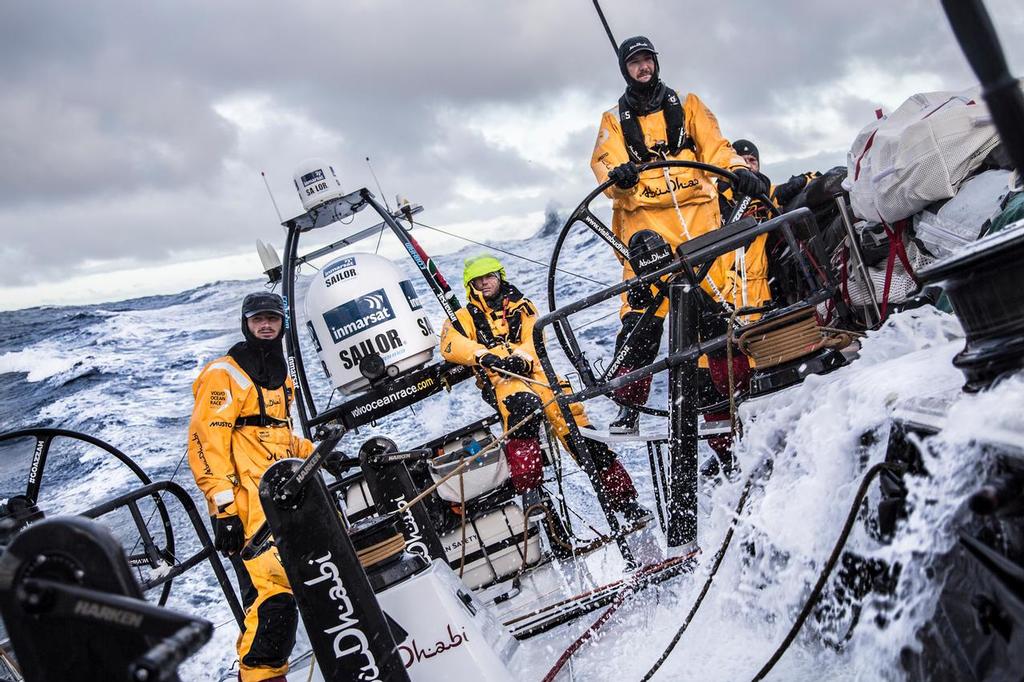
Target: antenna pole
pixel 604 22
pixel 272 200
pixel 381 191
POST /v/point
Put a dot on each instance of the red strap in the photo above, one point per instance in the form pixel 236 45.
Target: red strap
pixel 843 275
pixel 890 263
pixel 867 146
pixel 896 249
pixel 901 249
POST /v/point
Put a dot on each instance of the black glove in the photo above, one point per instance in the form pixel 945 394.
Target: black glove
pixel 749 183
pixel 639 297
pixel 516 364
pixel 335 463
pixel 228 535
pixel 489 360
pixel 785 193
pixel 625 175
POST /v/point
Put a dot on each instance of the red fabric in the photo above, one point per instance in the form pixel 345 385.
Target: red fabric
pixel 896 249
pixel 719 368
pixel 525 463
pixel 722 445
pixel 617 484
pixel 634 393
pixel 867 146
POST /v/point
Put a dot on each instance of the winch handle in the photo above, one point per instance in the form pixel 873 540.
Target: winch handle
pixel 161 662
pixel 257 544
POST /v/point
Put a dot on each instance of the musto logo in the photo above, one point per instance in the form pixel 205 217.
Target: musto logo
pixel 365 312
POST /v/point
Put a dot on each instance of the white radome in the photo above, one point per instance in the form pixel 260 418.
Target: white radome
pixel 316 183
pixel 361 304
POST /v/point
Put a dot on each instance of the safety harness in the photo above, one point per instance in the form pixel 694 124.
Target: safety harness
pixel 263 420
pixel 675 122
pixel 484 334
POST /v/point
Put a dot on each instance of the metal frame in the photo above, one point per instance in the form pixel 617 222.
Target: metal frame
pixel 684 351
pixel 44 437
pixel 327 214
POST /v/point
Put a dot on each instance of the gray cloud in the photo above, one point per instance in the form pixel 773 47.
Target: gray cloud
pixel 114 149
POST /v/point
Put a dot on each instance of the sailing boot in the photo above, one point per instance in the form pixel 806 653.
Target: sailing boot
pixel 635 513
pixel 618 487
pixel 626 422
pixel 559 537
pixel 722 463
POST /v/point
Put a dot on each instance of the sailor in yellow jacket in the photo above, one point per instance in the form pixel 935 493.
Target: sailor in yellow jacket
pixel 240 426
pixel 650 123
pixel 748 280
pixel 498 322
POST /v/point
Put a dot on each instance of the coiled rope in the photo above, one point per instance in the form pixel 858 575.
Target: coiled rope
pixel 382 551
pixel 788 337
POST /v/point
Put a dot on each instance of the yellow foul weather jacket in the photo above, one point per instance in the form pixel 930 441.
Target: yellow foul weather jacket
pixel 507 331
pixel 652 203
pixel 228 459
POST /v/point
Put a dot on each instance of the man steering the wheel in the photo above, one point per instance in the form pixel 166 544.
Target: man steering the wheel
pixel 651 122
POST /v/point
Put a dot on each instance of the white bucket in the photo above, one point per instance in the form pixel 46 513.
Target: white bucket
pixel 483 475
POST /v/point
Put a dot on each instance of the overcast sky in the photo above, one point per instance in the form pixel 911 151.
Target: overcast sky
pixel 132 134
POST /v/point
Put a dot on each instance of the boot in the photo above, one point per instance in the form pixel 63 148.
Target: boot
pixel 627 422
pixel 532 499
pixel 559 538
pixel 634 512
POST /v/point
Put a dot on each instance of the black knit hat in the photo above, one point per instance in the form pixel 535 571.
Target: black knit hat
pixel 746 148
pixel 631 46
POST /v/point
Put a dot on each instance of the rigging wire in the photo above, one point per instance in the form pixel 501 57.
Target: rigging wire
pixel 510 253
pixel 379 188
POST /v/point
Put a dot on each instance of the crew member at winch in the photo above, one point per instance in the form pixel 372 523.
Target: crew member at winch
pixel 240 426
pixel 779 194
pixel 652 122
pixel 498 322
pixel 748 280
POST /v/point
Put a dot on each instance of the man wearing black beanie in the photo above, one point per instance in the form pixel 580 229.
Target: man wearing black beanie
pixel 240 426
pixel 651 122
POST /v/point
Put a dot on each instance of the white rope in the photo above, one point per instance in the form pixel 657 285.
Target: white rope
pixel 686 232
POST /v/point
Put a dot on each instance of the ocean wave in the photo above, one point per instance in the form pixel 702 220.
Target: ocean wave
pixel 38 364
